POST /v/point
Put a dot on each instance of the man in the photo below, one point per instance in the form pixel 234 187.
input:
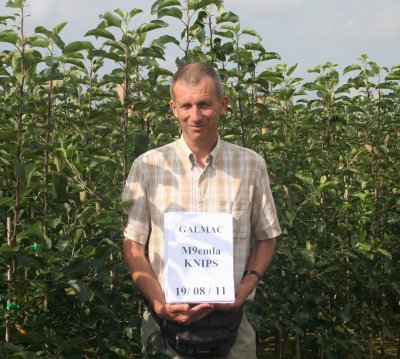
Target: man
pixel 199 173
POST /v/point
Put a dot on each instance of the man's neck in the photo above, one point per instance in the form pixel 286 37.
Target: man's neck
pixel 201 155
pixel 202 151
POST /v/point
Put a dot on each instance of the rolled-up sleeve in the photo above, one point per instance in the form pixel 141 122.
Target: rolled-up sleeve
pixel 264 220
pixel 135 202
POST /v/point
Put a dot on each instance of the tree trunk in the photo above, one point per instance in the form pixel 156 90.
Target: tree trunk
pixel 10 280
pixel 278 344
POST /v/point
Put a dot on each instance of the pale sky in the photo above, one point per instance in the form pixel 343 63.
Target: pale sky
pixel 307 32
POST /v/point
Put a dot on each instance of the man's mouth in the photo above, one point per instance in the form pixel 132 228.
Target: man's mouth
pixel 200 125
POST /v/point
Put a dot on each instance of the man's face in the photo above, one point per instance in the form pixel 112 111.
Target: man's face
pixel 198 110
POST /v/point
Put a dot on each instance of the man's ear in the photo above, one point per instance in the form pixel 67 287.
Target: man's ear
pixel 224 104
pixel 172 106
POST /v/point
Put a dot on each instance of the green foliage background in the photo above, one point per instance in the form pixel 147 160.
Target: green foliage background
pixel 67 140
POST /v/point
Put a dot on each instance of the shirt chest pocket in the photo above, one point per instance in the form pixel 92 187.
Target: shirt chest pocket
pixel 241 214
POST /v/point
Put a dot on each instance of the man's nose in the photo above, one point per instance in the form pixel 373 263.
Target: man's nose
pixel 195 113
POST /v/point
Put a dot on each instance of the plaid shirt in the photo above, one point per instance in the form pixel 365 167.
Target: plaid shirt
pixel 234 180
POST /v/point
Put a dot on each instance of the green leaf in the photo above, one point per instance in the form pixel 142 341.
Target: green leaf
pixel 165 39
pixel 78 46
pixel 51 35
pixel 134 12
pixel 266 56
pixel 230 28
pixel 31 59
pixel 201 35
pixel 84 292
pixel 106 55
pixel 89 251
pixel 152 25
pixel 305 177
pixel 52 73
pixel 3 19
pixel 55 221
pixel 393 76
pixel 9 36
pixel 58 28
pixel 72 61
pixel 38 41
pixel 111 19
pixel 315 69
pixel 99 32
pixel 226 34
pixel 78 267
pixel 24 172
pixel 60 183
pixel 384 252
pixel 199 4
pixel 101 116
pixel 173 12
pixel 351 68
pixel 43 30
pixel 154 52
pixel 251 32
pixel 74 342
pixel 141 142
pixel 119 45
pixel 121 13
pixel 366 247
pixel 363 57
pixel 5 201
pixel 161 72
pixel 29 261
pixel 271 76
pixel 8 135
pixel 227 17
pixel 17 4
pixel 254 46
pixel 201 17
pixel 162 4
pixel 374 67
pixel 291 70
pixel 10 348
pixel 232 137
pixel 388 85
pixel 31 229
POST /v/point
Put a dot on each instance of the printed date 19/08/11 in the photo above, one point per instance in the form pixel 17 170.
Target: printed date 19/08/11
pixel 199 291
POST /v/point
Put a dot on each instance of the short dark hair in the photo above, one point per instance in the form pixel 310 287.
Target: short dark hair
pixel 192 73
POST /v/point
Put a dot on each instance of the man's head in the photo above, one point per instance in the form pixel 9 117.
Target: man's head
pixel 192 73
pixel 198 103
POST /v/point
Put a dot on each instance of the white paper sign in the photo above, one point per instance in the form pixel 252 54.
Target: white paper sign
pixel 199 257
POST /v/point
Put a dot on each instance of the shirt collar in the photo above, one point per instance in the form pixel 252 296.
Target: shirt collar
pixel 187 152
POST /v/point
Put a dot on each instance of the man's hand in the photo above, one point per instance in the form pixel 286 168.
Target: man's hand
pixel 184 313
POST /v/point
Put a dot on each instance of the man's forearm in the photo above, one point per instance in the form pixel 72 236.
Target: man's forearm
pixel 142 273
pixel 261 255
pixel 259 261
